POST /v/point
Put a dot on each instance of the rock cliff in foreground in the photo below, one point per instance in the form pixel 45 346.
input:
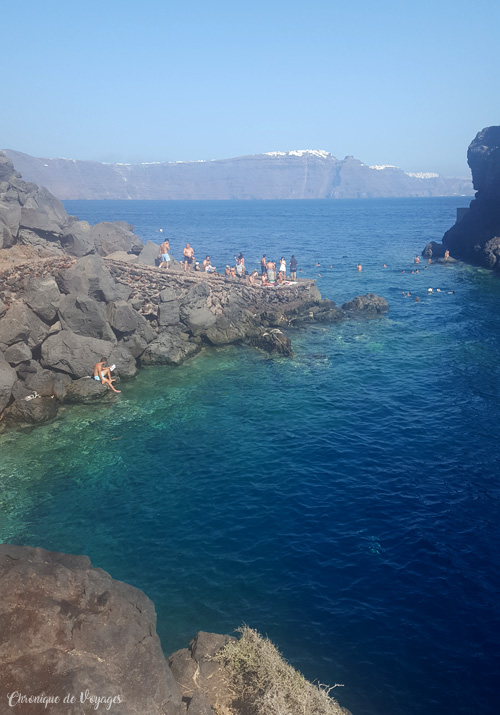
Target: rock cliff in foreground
pixel 475 238
pixel 276 175
pixel 77 642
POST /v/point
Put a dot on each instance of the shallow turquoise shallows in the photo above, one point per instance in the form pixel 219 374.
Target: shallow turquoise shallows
pixel 343 501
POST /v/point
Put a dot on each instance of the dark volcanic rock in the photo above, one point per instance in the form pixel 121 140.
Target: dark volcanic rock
pixel 91 276
pixel 110 237
pixel 365 306
pixel 33 411
pixel 73 354
pixel 273 341
pixel 86 390
pixel 42 295
pixel 473 237
pixel 77 240
pixel 66 627
pixel 171 347
pixel 19 352
pixel 20 324
pixel 85 316
pixel 7 379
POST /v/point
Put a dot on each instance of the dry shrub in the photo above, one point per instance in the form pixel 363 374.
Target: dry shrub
pixel 265 684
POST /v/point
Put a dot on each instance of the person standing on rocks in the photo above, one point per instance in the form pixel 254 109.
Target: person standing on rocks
pixel 188 254
pixel 293 268
pixel 164 253
pixel 263 262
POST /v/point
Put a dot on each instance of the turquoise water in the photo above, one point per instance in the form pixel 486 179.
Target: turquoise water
pixel 344 501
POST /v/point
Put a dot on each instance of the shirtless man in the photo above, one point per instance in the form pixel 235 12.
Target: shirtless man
pixel 188 254
pixel 164 253
pixel 102 374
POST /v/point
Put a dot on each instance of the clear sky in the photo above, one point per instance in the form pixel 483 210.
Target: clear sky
pixel 389 82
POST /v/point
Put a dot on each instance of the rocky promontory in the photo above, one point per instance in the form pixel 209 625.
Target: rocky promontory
pixel 71 293
pixel 74 641
pixel 475 238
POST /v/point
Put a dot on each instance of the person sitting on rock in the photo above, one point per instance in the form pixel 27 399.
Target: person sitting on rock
pixel 227 271
pixel 102 373
pixel 164 253
pixel 254 274
pixel 207 265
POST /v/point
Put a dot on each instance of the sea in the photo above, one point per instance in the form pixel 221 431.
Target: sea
pixel 344 502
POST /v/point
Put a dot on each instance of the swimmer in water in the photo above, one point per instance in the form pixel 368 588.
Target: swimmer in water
pixel 359 267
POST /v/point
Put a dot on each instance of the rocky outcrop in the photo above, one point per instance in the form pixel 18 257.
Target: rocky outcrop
pixel 60 314
pixel 31 216
pixel 67 628
pixel 475 238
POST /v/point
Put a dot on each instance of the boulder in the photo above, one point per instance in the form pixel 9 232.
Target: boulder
pixel 168 310
pixel 7 379
pixel 34 410
pixel 126 365
pixel 20 324
pixel 69 628
pixel 86 390
pixel 39 223
pixel 42 295
pixel 149 254
pixel 171 347
pixel 272 341
pixel 125 320
pixel 19 352
pixel 194 309
pixel 85 316
pixel 122 256
pixel 110 237
pixel 198 673
pixel 363 306
pixel 77 239
pixel 90 276
pixel 73 354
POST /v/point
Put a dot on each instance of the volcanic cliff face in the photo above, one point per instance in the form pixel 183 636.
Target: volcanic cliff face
pixel 475 238
pixel 301 174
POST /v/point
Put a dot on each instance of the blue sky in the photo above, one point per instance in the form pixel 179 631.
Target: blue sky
pixel 403 83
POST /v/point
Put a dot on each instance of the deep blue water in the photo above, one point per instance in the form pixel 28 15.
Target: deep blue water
pixel 343 502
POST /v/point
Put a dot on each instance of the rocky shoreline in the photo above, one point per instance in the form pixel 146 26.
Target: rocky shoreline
pixel 71 293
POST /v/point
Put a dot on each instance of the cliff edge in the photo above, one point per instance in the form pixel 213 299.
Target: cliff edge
pixel 475 238
pixel 74 641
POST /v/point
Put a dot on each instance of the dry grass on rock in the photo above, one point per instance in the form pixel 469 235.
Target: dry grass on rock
pixel 265 684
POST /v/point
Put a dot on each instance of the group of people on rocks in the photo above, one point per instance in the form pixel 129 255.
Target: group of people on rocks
pixel 270 275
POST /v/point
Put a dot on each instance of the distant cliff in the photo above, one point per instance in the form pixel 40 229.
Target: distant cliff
pixel 276 175
pixel 475 238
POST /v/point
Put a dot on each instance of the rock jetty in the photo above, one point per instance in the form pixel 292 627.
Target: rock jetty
pixel 71 293
pixel 73 640
pixel 475 238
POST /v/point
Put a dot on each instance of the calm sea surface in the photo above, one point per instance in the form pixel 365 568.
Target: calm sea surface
pixel 343 502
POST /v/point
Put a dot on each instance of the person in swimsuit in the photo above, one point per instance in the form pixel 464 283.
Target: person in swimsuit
pixel 164 253
pixel 283 267
pixel 188 254
pixel 271 271
pixel 293 268
pixel 263 265
pixel 102 374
